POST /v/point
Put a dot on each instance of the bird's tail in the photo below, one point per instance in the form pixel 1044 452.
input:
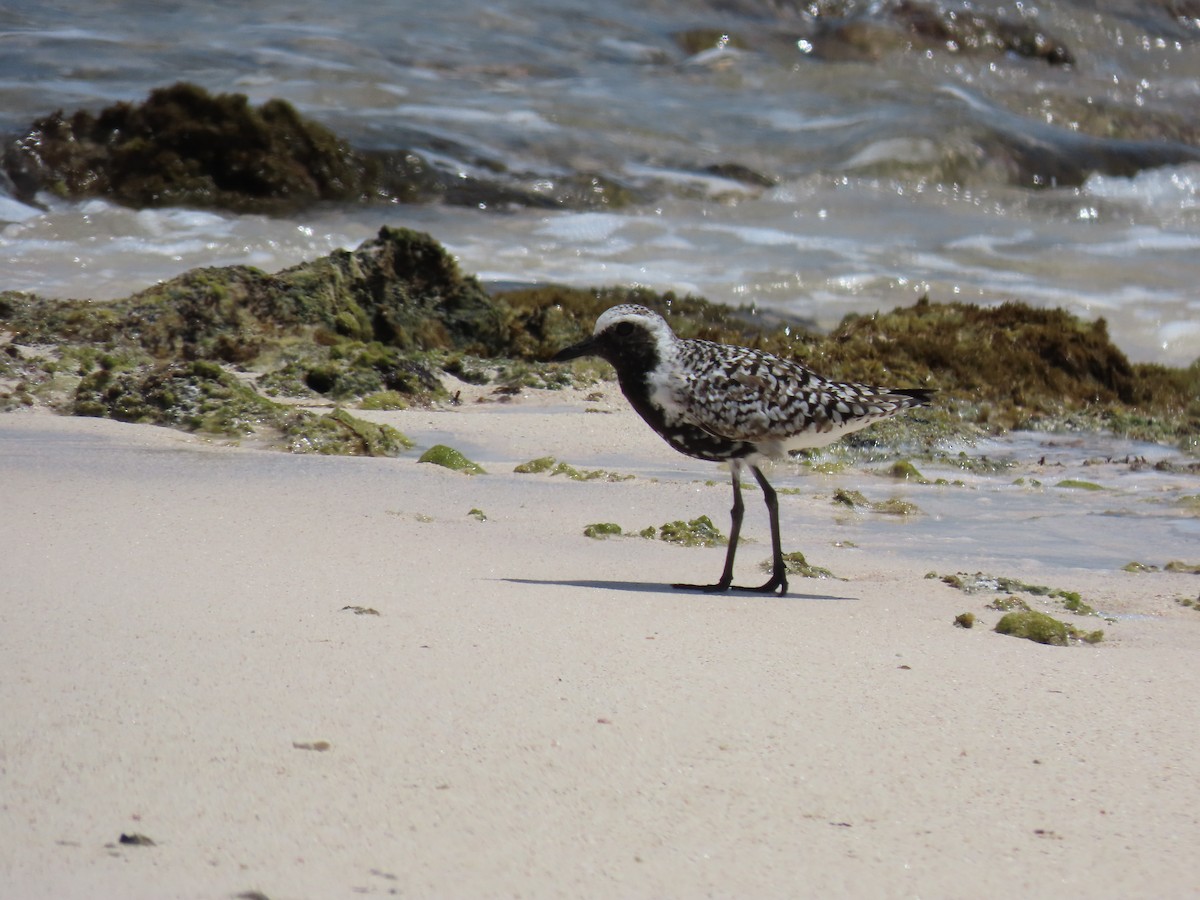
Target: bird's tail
pixel 916 396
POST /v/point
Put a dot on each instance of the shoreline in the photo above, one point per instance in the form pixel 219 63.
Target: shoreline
pixel 533 712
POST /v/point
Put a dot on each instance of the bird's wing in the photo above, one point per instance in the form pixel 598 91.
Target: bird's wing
pixel 748 395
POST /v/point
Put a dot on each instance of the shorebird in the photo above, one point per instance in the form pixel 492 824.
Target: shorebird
pixel 724 403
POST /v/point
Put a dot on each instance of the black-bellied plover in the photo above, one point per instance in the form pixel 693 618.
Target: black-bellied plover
pixel 723 403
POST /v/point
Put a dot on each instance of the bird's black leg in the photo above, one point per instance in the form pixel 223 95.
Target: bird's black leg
pixel 735 528
pixel 778 580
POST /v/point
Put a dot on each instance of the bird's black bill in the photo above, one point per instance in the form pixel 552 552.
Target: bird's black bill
pixel 583 348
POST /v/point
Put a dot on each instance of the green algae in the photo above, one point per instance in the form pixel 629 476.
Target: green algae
pixel 893 506
pixel 372 439
pixel 1034 626
pixel 340 434
pixel 550 465
pixel 384 400
pixel 536 466
pixel 979 582
pixel 699 532
pixel 905 471
pixel 896 506
pixel 825 466
pixel 602 530
pixel 965 620
pixel 202 397
pixel 477 514
pixel 197 397
pixel 1072 602
pixel 796 564
pixel 1079 485
pixel 1044 629
pixel 853 499
pixel 1175 565
pixel 1009 603
pixel 449 458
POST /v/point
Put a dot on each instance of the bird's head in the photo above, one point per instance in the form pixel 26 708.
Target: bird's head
pixel 629 337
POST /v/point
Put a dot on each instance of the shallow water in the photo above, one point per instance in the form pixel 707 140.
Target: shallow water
pixel 863 215
pixel 1014 521
pixel 1025 502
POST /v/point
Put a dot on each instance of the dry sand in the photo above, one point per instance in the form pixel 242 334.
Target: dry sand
pixel 533 713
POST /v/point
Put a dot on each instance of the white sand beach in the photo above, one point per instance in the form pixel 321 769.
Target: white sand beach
pixel 515 710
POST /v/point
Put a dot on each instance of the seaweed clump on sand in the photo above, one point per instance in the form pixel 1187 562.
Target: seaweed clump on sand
pixel 1043 629
pixel 184 146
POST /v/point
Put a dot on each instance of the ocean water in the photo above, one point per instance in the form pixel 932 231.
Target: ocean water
pixel 869 207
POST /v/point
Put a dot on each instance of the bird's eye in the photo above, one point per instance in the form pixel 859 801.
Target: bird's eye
pixel 624 329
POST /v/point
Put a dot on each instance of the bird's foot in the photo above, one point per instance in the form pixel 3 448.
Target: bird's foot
pixel 706 588
pixel 777 583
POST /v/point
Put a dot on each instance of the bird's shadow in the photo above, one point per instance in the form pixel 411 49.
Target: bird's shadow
pixel 642 587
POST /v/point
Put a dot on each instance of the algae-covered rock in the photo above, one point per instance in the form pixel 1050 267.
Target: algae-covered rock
pixel 1034 626
pixel 339 432
pixel 840 30
pixel 186 147
pixel 449 458
pixel 387 316
pixel 183 146
pixel 199 396
pixel 402 291
pixel 965 620
pixel 155 357
pixel 202 397
pixel 1043 629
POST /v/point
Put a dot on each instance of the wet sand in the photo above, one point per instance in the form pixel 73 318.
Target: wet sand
pixel 318 677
